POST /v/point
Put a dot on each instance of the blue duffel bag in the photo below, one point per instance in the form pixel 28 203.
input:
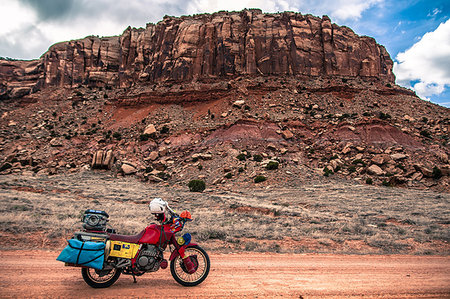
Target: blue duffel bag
pixel 88 254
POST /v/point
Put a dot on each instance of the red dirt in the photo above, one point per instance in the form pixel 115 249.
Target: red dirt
pixel 38 274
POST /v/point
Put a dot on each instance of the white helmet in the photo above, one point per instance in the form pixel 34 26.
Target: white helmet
pixel 158 206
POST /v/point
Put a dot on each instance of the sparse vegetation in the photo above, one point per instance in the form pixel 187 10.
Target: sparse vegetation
pixel 425 133
pixel 241 157
pixel 327 172
pixel 369 181
pixel 117 135
pixel 197 186
pixel 257 158
pixel 259 179
pixel 384 116
pixel 437 173
pixel 144 137
pixel 272 165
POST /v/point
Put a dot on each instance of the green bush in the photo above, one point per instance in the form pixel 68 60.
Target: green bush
pixel 117 135
pixel 425 133
pixel 369 181
pixel 259 179
pixel 197 186
pixel 241 169
pixel 164 130
pixel 257 158
pixel 229 175
pixel 144 137
pixel 384 116
pixel 352 168
pixel 437 173
pixel 272 165
pixel 200 166
pixel 386 183
pixel 241 157
pixel 327 171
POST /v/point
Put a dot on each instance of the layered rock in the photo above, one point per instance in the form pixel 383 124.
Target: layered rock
pixel 19 78
pixel 214 46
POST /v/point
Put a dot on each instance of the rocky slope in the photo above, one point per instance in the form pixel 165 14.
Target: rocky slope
pixel 221 97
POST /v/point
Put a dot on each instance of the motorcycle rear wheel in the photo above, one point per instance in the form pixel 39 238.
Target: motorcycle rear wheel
pixel 100 278
pixel 181 276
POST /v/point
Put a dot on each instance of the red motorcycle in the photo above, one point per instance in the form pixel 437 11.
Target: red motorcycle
pixel 107 255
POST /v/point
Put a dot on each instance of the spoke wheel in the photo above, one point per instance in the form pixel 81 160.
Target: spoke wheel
pixel 100 278
pixel 179 272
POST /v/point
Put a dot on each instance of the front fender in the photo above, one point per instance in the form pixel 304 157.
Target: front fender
pixel 176 252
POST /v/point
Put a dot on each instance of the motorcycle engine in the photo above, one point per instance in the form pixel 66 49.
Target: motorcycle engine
pixel 149 259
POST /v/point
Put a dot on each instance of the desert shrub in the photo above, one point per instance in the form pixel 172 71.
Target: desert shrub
pixel 241 157
pixel 352 168
pixel 424 119
pixel 144 137
pixel 164 175
pixel 197 186
pixel 327 171
pixel 437 173
pixel 337 168
pixel 386 183
pixel 117 135
pixel 384 116
pixel 164 130
pixel 366 114
pixel 229 175
pixel 272 165
pixel 425 133
pixel 257 158
pixel 369 181
pixel 241 169
pixel 200 166
pixel 259 179
pixel 5 166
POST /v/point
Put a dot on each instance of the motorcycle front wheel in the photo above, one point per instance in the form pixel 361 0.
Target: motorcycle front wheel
pixel 100 278
pixel 179 272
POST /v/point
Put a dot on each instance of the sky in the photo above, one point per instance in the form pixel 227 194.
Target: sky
pixel 416 33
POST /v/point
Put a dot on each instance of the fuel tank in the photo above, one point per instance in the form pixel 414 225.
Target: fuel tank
pixel 152 234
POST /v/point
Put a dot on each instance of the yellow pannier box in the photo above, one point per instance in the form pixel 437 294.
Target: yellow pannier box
pixel 123 249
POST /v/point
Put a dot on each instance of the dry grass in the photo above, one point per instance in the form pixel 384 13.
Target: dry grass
pixel 315 217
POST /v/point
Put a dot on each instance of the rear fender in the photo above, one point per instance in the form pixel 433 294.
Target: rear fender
pixel 176 252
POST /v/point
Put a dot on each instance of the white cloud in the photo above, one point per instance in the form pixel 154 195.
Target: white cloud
pixel 427 63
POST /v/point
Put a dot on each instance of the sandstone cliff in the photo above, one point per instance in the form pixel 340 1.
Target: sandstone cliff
pixel 206 46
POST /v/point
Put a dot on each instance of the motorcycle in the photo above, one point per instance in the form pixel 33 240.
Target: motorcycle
pixel 135 255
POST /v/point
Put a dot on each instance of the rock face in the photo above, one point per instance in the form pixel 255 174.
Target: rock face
pixel 212 46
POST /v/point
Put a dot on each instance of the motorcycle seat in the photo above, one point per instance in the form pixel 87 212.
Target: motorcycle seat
pixel 127 238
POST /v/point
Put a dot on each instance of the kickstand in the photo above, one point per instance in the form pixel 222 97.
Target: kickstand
pixel 134 278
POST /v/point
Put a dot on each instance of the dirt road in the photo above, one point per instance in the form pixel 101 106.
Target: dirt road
pixel 38 274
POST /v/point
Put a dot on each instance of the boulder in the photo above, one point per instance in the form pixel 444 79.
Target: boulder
pixel 427 172
pixel 380 159
pixel 287 134
pixel 128 169
pixel 239 103
pixel 153 155
pixel 375 170
pixel 102 159
pixel 150 129
pixel 398 156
